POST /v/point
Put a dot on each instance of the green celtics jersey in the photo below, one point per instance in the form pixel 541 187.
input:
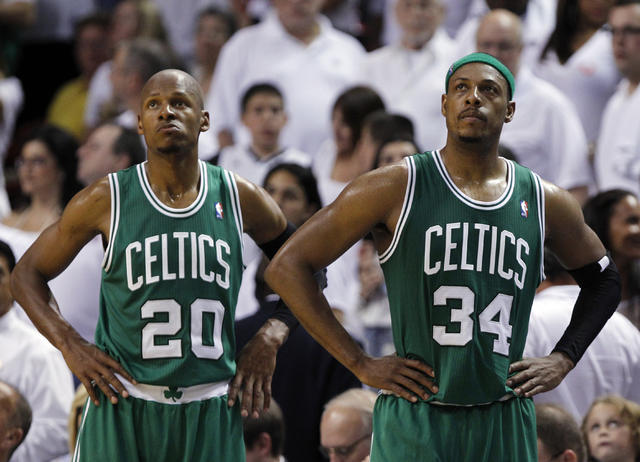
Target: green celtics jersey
pixel 170 280
pixel 461 275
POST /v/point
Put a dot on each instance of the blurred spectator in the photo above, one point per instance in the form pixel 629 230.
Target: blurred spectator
pixel 559 436
pixel 68 106
pixel 213 29
pixel 611 364
pixel 299 51
pixel 617 160
pixel 611 430
pixel 264 437
pixel 407 74
pixel 347 425
pixel 378 127
pixel 35 368
pixel 47 173
pixel 615 217
pixel 134 62
pixel 394 149
pixel 306 376
pixel 344 15
pixel 108 148
pixel 339 161
pixel 15 420
pixel 537 18
pixel 578 60
pixel 545 133
pixel 11 99
pixel 129 19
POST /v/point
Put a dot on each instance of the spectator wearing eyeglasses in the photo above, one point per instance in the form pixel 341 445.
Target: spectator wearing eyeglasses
pixel 346 426
pixel 617 159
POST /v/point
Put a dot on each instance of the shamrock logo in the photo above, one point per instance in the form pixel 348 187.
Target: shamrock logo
pixel 173 394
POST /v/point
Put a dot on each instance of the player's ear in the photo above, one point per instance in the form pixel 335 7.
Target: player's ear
pixel 511 110
pixel 205 122
pixel 140 132
pixel 443 103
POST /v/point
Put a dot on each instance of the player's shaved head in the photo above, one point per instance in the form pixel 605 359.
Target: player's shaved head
pixel 179 79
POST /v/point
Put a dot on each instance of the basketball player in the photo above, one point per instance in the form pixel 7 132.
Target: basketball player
pixel 171 273
pixel 460 235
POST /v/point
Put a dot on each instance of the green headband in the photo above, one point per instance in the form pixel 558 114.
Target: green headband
pixel 486 59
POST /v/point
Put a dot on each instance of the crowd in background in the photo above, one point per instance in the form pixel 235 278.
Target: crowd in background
pixel 304 96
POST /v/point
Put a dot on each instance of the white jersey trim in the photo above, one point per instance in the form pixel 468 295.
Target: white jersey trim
pixel 76 451
pixel 235 203
pixel 114 221
pixel 476 204
pixel 406 208
pixel 157 393
pixel 161 207
pixel 541 219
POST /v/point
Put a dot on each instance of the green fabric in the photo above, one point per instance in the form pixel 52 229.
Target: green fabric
pixel 487 59
pixel 423 432
pixel 136 430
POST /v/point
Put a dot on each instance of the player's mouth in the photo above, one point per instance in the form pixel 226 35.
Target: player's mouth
pixel 168 128
pixel 472 114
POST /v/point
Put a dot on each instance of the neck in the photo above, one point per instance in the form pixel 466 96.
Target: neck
pixel 174 178
pixel 633 84
pixel 47 200
pixel 472 160
pixel 306 33
pixel 416 43
pixel 264 151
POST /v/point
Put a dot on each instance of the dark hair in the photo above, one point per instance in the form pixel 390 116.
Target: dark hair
pixel 559 431
pixel 305 177
pixel 226 17
pixel 383 125
pixel 392 139
pixel 21 417
pixel 262 87
pixel 271 422
pixel 356 104
pixel 599 209
pixel 128 142
pixel 99 19
pixel 567 18
pixel 7 253
pixel 62 146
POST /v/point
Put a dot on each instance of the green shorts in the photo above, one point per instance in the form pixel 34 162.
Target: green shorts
pixel 147 431
pixel 504 431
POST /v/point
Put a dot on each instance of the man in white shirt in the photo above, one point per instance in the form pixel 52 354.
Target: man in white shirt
pixel 407 74
pixel 34 367
pixel 617 160
pixel 611 364
pixel 546 134
pixel 298 50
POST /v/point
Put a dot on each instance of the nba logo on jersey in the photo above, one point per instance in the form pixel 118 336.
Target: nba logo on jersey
pixel 524 209
pixel 219 211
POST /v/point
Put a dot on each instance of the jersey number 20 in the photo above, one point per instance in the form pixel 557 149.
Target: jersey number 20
pixel 500 305
pixel 173 348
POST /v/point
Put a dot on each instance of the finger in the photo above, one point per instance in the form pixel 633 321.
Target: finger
pixel 403 393
pixel 421 381
pixel 247 397
pixel 114 382
pixel 413 387
pixel 258 399
pixel 519 365
pixel 106 389
pixel 91 391
pixel 415 364
pixel 267 394
pixel 116 367
pixel 537 389
pixel 234 388
pixel 520 377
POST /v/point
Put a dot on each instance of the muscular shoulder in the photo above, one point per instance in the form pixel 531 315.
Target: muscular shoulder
pixel 90 209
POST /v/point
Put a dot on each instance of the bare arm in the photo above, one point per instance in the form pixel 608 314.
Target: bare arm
pixel 87 214
pixel 372 201
pixel 575 245
pixel 263 221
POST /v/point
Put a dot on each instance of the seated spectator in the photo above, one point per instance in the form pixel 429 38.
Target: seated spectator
pixel 614 216
pixel 11 99
pixel 264 437
pixel 394 149
pixel 108 148
pixel 545 133
pixel 559 436
pixel 611 430
pixel 617 159
pixel 378 127
pixel 407 73
pixel 67 108
pixel 15 420
pixel 35 368
pixel 298 50
pixel 347 425
pixel 611 364
pixel 578 60
pixel 306 376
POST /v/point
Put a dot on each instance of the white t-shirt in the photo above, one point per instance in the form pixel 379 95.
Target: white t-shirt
pixel 100 92
pixel 588 79
pixel 617 160
pixel 12 97
pixel 411 83
pixel 546 135
pixel 33 366
pixel 611 364
pixel 310 77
